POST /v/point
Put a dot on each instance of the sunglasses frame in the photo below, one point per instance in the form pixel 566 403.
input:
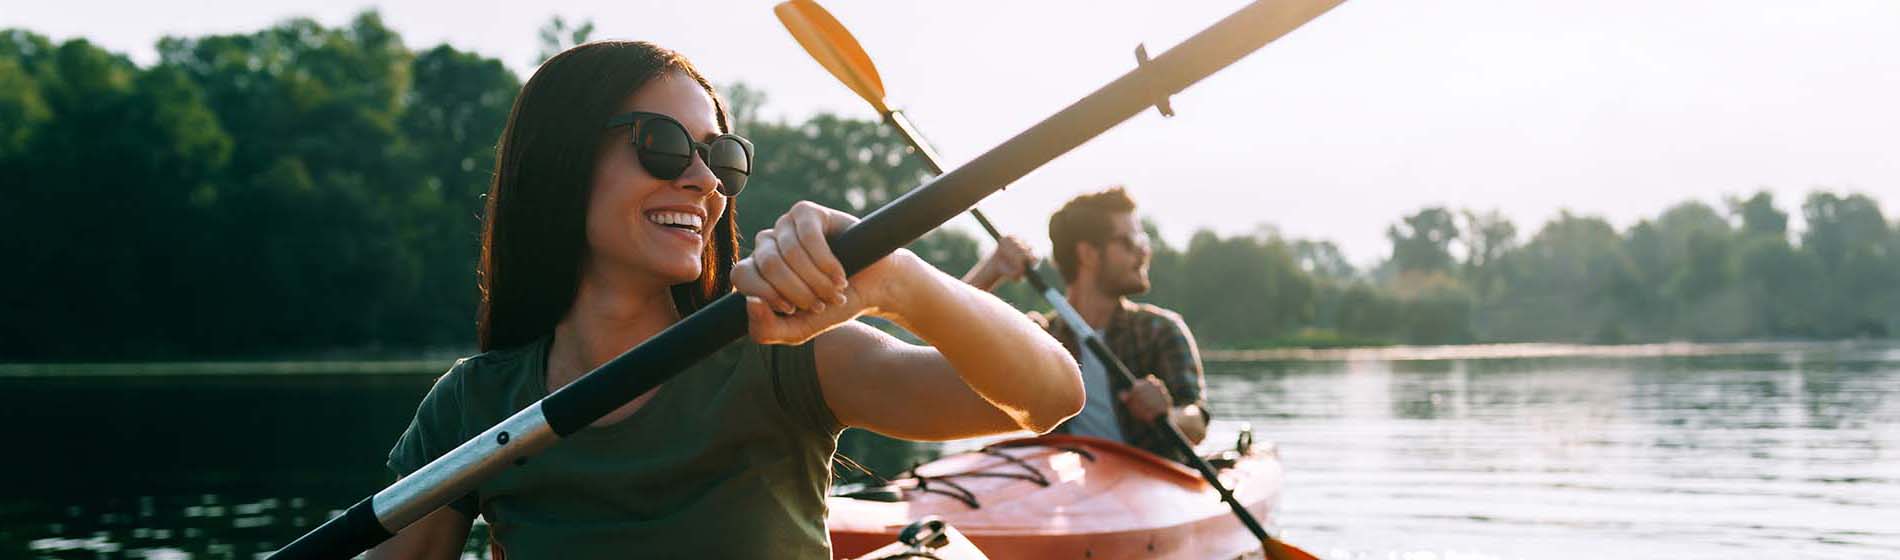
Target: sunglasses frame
pixel 701 150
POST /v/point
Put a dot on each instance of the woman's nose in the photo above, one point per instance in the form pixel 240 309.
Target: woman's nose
pixel 698 176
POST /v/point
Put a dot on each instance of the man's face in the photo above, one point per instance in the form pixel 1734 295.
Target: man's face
pixel 1123 266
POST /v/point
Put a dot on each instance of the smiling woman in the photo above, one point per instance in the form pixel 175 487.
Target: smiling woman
pixel 613 215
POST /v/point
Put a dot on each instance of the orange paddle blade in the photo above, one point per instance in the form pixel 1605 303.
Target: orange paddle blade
pixel 833 47
pixel 1280 550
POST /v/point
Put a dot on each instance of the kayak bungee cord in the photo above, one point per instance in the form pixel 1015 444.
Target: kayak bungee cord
pixel 839 52
pixel 572 408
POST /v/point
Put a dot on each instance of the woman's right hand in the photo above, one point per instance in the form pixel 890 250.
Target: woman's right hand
pixel 795 287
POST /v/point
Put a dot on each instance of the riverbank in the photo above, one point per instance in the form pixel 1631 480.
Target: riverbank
pixel 1520 350
pixel 237 368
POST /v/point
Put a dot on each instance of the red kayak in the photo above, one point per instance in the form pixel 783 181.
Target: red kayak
pixel 1067 497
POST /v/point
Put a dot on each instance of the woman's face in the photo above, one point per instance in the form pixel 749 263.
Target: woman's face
pixel 629 205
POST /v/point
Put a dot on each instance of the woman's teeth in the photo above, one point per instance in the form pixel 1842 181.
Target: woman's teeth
pixel 682 220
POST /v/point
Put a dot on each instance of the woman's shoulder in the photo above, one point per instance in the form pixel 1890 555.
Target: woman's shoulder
pixel 496 370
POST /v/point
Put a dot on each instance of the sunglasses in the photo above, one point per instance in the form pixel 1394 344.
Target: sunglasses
pixel 665 149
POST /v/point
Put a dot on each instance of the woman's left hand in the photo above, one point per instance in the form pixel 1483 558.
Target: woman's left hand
pixel 795 287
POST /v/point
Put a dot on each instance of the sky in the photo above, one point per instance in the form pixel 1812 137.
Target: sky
pixel 1610 108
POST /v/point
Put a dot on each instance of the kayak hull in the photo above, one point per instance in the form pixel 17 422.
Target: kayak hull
pixel 1070 497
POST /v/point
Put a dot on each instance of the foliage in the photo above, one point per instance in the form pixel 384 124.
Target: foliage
pixel 304 189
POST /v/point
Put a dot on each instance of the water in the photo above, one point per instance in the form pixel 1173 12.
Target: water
pixel 1794 453
pixel 1783 450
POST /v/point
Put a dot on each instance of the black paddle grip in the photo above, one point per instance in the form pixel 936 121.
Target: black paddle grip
pixel 340 538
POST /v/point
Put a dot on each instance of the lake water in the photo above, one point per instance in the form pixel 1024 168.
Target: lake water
pixel 1788 450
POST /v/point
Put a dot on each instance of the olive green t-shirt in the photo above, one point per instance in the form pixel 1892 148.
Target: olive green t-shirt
pixel 729 459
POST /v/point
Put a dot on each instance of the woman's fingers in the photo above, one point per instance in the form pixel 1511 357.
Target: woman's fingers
pixel 813 229
pixel 792 268
pixel 749 280
pixel 769 327
pixel 804 250
pixel 769 258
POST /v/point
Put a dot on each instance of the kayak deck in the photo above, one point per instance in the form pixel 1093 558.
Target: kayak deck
pixel 1069 497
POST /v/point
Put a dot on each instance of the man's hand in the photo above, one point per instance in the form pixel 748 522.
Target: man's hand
pixel 1147 399
pixel 1011 259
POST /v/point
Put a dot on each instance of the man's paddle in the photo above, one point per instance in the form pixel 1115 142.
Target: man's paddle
pixel 572 408
pixel 834 48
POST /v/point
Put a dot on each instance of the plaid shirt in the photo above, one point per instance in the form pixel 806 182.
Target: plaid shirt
pixel 1150 341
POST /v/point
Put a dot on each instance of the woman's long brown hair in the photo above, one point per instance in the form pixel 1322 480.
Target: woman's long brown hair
pixel 534 228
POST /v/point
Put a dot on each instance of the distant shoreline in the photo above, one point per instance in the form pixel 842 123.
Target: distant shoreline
pixel 1521 350
pixel 234 368
pixel 1518 350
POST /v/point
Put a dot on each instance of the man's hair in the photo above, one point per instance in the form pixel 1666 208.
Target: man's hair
pixel 1085 219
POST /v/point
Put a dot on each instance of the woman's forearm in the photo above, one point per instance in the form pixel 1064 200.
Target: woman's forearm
pixel 997 351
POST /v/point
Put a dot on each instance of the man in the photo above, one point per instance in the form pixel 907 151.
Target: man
pixel 1103 256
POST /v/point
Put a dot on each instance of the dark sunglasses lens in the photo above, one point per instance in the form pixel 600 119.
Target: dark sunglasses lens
pixel 664 148
pixel 730 163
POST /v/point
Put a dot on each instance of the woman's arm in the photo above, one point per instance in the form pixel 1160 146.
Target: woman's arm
pixel 988 369
pixel 439 535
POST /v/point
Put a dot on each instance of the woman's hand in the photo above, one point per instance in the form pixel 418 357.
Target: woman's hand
pixel 795 287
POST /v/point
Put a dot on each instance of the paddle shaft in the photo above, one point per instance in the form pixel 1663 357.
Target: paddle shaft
pixel 723 321
pixel 1091 340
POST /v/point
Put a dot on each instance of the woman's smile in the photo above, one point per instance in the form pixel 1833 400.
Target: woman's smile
pixel 678 223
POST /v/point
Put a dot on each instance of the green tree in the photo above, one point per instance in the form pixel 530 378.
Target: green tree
pixel 1565 283
pixel 1759 215
pixel 1487 237
pixel 1850 238
pixel 558 35
pixel 1778 282
pixel 1422 242
pixel 1241 290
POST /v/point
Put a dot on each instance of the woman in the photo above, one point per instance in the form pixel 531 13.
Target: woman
pixel 611 217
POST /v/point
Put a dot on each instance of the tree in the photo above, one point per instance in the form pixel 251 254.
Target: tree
pixel 451 120
pixel 1759 215
pixel 1422 241
pixel 1566 282
pixel 1487 237
pixel 1322 259
pixel 1850 238
pixel 557 35
pixel 1240 290
pixel 1778 283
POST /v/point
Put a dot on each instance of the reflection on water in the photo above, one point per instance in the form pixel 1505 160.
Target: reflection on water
pixel 193 464
pixel 1718 452
pixel 169 527
pixel 1697 456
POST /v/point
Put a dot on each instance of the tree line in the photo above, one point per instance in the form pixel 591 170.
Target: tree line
pixel 1693 272
pixel 307 189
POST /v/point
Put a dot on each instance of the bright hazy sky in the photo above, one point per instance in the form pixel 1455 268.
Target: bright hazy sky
pixel 1615 108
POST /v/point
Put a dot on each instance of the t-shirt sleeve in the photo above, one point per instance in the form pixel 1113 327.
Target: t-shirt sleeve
pixel 795 379
pixel 436 429
pixel 1178 363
